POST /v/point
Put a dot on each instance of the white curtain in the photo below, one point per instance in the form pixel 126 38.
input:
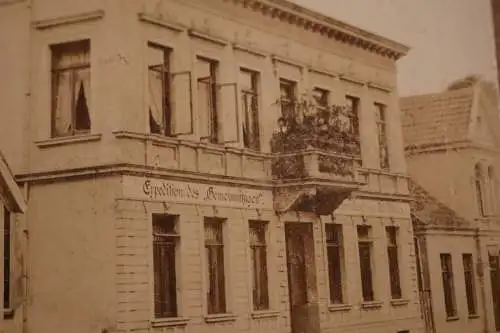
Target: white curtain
pixel 204 104
pixel 63 97
pixel 156 97
pixel 82 80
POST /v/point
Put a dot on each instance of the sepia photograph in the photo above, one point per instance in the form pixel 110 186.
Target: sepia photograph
pixel 250 166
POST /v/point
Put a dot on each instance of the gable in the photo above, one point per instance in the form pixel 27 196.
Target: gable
pixel 485 121
pixel 436 119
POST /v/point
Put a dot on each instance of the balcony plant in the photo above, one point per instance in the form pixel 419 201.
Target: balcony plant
pixel 307 126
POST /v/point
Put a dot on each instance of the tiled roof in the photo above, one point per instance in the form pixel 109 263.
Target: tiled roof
pixel 436 119
pixel 430 211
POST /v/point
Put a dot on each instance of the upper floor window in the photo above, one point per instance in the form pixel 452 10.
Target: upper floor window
pixel 320 97
pixel 206 72
pixel 287 98
pixel 160 116
pixel 353 105
pixel 479 186
pixel 71 88
pixel 380 116
pixel 492 181
pixel 165 247
pixel 250 99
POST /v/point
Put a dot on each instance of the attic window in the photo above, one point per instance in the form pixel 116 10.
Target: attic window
pixel 70 88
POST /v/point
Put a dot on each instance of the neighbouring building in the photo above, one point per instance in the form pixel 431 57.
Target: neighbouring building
pixel 206 166
pixel 453 154
pixel 12 209
pixel 495 11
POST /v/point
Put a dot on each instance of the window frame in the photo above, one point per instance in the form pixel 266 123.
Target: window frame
pixel 447 279
pixel 260 297
pixel 392 235
pixel 218 305
pixel 251 112
pixel 479 189
pixel 57 52
pixel 353 102
pixel 166 71
pixel 288 101
pixel 469 281
pixel 366 242
pixel 213 135
pixel 383 144
pixel 161 240
pixel 336 283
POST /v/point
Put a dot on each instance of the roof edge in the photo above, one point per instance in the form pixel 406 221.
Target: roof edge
pixel 309 19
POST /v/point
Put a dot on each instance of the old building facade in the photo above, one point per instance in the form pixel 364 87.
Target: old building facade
pixel 141 132
pixel 453 155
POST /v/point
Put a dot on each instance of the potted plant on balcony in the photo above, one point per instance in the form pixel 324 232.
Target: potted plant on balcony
pixel 306 126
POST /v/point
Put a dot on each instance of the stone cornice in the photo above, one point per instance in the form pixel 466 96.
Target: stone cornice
pixel 445 147
pixel 291 13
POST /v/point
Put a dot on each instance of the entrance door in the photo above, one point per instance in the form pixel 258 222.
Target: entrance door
pixel 301 277
pixel 495 288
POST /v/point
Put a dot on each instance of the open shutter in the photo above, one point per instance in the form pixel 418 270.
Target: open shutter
pixel 181 103
pixel 228 93
pixel 17 258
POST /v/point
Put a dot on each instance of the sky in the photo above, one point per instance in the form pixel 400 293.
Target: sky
pixel 449 39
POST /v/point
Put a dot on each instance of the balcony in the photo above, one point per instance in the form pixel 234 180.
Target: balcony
pixel 315 163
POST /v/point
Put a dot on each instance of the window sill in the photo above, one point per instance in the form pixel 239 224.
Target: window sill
pixel 8 314
pixel 453 318
pixel 220 318
pixel 339 307
pixel 372 305
pixel 264 314
pixel 169 322
pixel 473 316
pixel 67 140
pixel 399 302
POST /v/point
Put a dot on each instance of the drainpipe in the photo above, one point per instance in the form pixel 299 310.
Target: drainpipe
pixel 25 274
pixel 481 271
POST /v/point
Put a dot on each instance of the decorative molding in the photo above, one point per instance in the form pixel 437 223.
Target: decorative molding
pixel 306 19
pixel 67 140
pixel 126 169
pixel 339 307
pixel 399 302
pixel 10 2
pixel 207 37
pixel 220 318
pixel 324 72
pixel 264 314
pixel 170 322
pixel 250 50
pixel 161 22
pixel 296 63
pixel 372 305
pixel 70 19
pixel 380 87
pixel 352 79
